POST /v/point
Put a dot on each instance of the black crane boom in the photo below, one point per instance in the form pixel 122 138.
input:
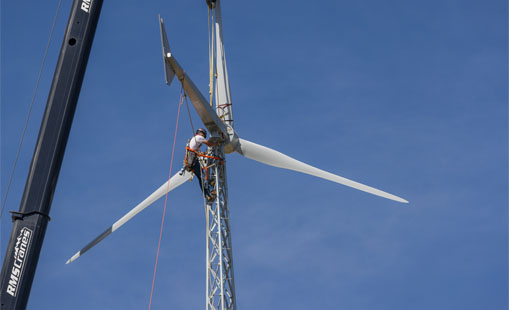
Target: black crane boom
pixel 30 222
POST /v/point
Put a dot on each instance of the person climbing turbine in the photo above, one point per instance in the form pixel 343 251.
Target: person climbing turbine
pixel 192 163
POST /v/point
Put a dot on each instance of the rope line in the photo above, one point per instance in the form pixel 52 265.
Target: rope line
pixel 166 197
pixel 30 109
pixel 189 114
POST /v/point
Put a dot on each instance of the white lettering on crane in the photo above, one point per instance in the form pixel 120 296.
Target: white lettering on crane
pixel 85 5
pixel 20 254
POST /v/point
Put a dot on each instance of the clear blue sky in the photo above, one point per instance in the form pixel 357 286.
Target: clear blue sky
pixel 407 96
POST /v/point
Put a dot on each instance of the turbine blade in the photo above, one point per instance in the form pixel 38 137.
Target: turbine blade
pixel 223 98
pixel 169 73
pixel 174 182
pixel 274 158
pixel 207 114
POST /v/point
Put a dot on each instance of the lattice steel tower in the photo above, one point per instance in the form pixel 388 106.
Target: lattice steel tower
pixel 220 291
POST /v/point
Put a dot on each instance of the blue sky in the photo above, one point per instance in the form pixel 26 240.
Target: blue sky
pixel 406 96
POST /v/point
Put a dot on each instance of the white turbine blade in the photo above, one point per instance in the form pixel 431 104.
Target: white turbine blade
pixel 207 114
pixel 169 73
pixel 223 99
pixel 274 158
pixel 204 110
pixel 174 182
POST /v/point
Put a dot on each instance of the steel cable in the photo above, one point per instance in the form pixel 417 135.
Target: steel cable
pixel 30 110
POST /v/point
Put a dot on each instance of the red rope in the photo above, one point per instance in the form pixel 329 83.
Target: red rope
pixel 166 198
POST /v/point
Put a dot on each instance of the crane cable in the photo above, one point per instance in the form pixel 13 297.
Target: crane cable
pixel 30 109
pixel 181 101
pixel 189 115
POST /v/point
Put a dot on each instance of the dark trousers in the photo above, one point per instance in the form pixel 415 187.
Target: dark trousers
pixel 195 167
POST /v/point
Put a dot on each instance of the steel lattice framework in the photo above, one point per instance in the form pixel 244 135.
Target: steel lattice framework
pixel 220 291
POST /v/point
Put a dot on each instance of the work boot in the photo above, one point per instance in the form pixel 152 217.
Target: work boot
pixel 211 197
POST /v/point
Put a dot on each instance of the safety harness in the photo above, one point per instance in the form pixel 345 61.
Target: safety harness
pixel 192 155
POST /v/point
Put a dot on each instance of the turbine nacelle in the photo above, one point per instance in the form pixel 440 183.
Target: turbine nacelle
pixel 232 142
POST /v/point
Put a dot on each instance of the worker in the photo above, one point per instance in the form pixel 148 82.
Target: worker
pixel 192 163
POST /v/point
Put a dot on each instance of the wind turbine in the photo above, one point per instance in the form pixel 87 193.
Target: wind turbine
pixel 220 275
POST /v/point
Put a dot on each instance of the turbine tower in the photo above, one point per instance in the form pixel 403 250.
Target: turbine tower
pixel 220 290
